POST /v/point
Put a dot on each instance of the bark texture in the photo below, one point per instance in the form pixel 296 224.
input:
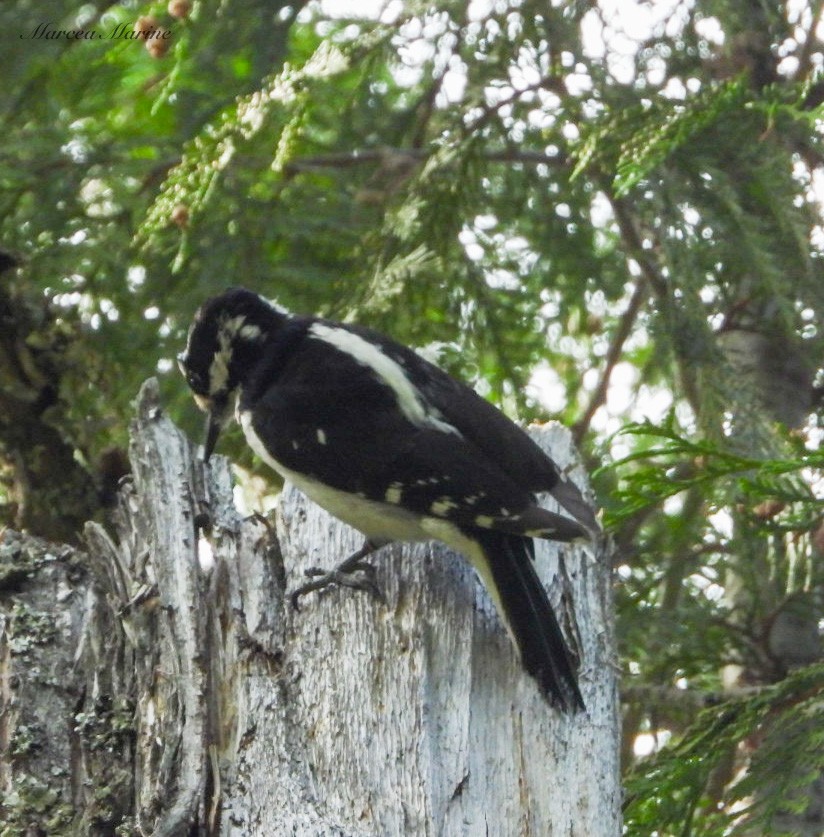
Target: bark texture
pixel 173 690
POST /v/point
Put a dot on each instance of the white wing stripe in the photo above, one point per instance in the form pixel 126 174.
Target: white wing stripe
pixel 410 401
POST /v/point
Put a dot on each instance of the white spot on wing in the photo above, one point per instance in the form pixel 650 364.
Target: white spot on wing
pixel 442 506
pixel 543 532
pixel 321 436
pixel 429 480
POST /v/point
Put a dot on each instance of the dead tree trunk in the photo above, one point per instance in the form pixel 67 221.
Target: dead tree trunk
pixel 150 687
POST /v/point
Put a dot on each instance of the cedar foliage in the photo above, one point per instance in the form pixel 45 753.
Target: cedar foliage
pixel 473 179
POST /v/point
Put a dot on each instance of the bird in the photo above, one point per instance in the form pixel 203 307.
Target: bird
pixel 397 448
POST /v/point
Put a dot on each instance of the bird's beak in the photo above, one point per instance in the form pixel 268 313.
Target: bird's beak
pixel 216 417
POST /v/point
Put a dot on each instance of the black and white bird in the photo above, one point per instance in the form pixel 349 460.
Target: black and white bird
pixel 395 447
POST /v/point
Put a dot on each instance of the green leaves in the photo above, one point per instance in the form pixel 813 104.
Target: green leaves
pixel 634 141
pixel 666 463
pixel 671 794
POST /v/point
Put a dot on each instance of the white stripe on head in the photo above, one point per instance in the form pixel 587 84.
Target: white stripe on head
pixel 219 368
pixel 388 371
pixel 229 330
pixel 238 327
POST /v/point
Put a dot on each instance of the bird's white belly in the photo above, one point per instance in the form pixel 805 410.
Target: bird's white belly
pixel 378 521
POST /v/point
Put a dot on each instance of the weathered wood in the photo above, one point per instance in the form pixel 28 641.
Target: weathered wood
pixel 421 720
pixel 351 716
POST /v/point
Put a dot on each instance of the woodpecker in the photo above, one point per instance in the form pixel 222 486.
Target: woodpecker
pixel 397 448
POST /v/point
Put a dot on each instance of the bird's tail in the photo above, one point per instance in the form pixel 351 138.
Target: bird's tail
pixel 525 609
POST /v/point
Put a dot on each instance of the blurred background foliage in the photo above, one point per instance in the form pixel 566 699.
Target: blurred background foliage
pixel 606 213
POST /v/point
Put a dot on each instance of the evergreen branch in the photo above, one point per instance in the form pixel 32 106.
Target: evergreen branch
pixel 655 277
pixel 635 247
pixel 280 103
pixel 692 699
pixel 682 560
pixel 632 143
pixel 625 325
pixel 666 790
pixel 703 448
pixel 554 84
pixel 706 463
pixel 383 155
pixel 426 107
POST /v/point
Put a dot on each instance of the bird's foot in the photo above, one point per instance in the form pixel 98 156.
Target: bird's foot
pixel 354 572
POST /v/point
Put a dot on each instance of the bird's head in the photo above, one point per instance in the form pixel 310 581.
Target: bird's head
pixel 224 344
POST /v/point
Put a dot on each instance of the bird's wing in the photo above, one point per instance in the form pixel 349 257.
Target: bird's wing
pixel 354 438
pixel 442 476
pixel 505 444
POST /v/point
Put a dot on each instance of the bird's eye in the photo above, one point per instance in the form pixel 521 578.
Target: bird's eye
pixel 196 382
pixel 193 379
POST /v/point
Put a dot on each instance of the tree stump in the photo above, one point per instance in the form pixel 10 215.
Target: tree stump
pixel 160 683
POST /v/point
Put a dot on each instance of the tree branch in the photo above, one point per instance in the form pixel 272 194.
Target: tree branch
pixel 625 324
pixel 368 156
pixel 553 84
pixel 635 247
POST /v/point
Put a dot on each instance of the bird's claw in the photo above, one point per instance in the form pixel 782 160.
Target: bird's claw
pixel 359 567
pixel 358 576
